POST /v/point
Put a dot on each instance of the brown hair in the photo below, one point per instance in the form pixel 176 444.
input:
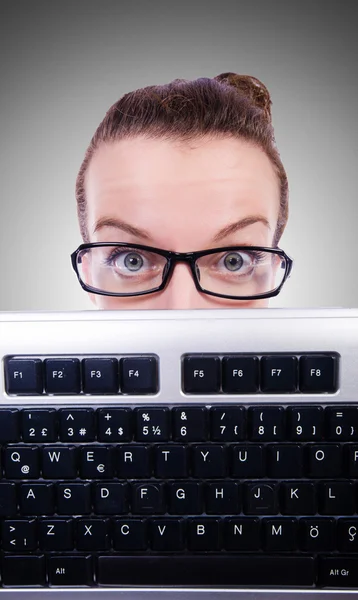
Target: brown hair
pixel 227 105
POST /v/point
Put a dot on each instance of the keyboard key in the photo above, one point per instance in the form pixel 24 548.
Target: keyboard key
pixel 305 423
pixel 73 498
pixel 318 374
pixel 133 461
pixel 152 425
pixel 22 462
pixel 130 534
pixel 222 498
pixel 209 461
pixel 228 423
pixel 280 535
pixel 284 460
pixel 201 374
pixel 148 498
pixel 59 462
pixel 62 376
pixel 347 535
pixel 92 534
pixel 22 571
pixel 203 534
pixel 19 535
pixel 242 534
pixel 100 375
pixel 70 570
pixel 341 424
pixel 325 461
pixel 77 425
pixel 266 423
pixel 185 498
pixel 279 374
pixel 298 498
pixel 8 500
pixel 336 498
pixel 167 534
pixel 190 424
pixel 38 425
pixel 337 571
pixel 248 461
pixel 317 534
pixel 9 426
pixel 171 461
pixel 110 498
pixel 23 376
pixel 56 534
pixel 240 374
pixel 260 498
pixel 115 425
pixel 37 499
pixel 139 375
pixel 96 462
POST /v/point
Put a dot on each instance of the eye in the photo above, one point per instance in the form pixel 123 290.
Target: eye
pixel 125 260
pixel 233 261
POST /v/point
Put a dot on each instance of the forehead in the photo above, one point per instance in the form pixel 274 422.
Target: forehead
pixel 168 187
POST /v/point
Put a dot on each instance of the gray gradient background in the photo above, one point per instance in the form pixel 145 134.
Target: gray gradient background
pixel 62 64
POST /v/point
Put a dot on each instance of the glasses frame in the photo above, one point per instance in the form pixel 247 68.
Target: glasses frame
pixel 187 257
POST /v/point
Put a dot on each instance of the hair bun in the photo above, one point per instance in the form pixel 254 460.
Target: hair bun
pixel 251 87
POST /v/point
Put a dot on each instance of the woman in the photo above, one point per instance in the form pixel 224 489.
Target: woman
pixel 188 167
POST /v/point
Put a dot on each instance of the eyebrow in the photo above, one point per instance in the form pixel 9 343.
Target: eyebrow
pixel 231 228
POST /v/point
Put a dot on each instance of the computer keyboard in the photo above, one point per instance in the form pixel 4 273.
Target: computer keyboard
pixel 194 454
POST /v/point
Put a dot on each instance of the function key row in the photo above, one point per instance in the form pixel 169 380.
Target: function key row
pixel 104 375
pixel 181 424
pixel 244 374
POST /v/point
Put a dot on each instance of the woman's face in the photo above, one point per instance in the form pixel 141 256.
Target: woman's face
pixel 179 197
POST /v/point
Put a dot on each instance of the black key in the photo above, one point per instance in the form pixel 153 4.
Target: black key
pixel 260 498
pixel 148 498
pixel 8 501
pixel 74 498
pixel 100 375
pixel 336 498
pixel 19 535
pixel 22 462
pixel 70 570
pixel 96 462
pixel 266 423
pixel 209 461
pixel 9 426
pixel 317 534
pixel 62 376
pixel 115 425
pixel 337 571
pixel 284 460
pixel 130 534
pixel 201 374
pixel 228 423
pixel 56 534
pixel 139 375
pixel 341 424
pixel 185 498
pixel 318 373
pixel 77 425
pixel 59 462
pixel 298 498
pixel 240 374
pixel 190 424
pixel 21 571
pixel 110 498
pixel 280 535
pixel 242 534
pixel 171 461
pixel 92 534
pixel 152 424
pixel 218 570
pixel 347 535
pixel 279 374
pixel 325 461
pixel 39 425
pixel 222 498
pixel 203 534
pixel 305 423
pixel 351 459
pixel 248 461
pixel 23 376
pixel 37 499
pixel 167 534
pixel 133 461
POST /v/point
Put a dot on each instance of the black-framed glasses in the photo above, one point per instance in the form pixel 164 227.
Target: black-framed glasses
pixel 236 272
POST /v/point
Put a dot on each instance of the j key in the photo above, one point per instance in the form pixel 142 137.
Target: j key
pixel 222 498
pixel 133 461
pixel 9 426
pixel 336 498
pixel 110 498
pixel 240 374
pixel 298 498
pixel 115 425
pixel 209 461
pixel 266 423
pixel 279 373
pixel 284 461
pixel 341 424
pixel 167 534
pixel 203 534
pixel 32 569
pixel 38 425
pixel 8 501
pixel 260 498
pixel 19 536
pixel 190 424
pixel 74 498
pixel 305 423
pixel 96 462
pixel 152 425
pixel 100 375
pixel 77 425
pixel 325 461
pixel 37 499
pixel 148 498
pixel 171 461
pixel 56 534
pixel 347 535
pixel 92 534
pixel 59 462
pixel 62 376
pixel 185 498
pixel 70 570
pixel 228 424
pixel 248 461
pixel 201 374
pixel 242 534
pixel 23 376
pixel 317 534
pixel 22 463
pixel 130 534
pixel 280 535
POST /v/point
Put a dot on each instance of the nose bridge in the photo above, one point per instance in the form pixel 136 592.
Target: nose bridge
pixel 180 292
